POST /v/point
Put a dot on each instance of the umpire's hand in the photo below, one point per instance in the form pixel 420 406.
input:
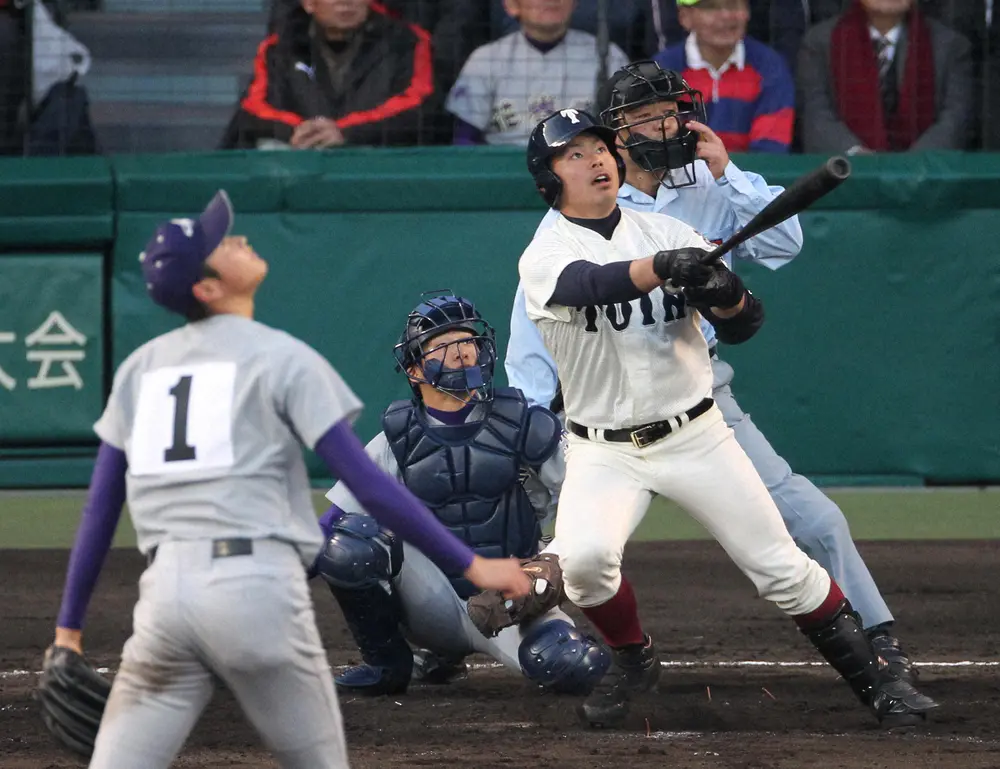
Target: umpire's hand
pixel 682 267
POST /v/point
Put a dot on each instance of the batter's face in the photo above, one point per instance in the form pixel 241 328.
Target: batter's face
pixel 716 23
pixel 239 269
pixel 337 17
pixel 887 7
pixel 541 19
pixel 654 121
pixel 589 174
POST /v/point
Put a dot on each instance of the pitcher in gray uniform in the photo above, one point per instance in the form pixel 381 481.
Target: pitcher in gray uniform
pixel 488 466
pixel 203 432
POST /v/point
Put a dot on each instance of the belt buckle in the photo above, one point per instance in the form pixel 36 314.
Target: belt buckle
pixel 638 438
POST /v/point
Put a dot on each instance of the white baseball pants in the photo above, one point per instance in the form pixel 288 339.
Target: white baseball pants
pixel 701 467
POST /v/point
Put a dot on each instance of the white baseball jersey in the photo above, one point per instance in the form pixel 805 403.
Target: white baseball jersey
pixel 212 417
pixel 508 86
pixel 627 364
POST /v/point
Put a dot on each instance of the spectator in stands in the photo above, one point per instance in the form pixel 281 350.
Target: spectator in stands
pixel 631 25
pixel 748 89
pixel 883 77
pixel 777 23
pixel 508 86
pixel 457 28
pixel 13 78
pixel 338 72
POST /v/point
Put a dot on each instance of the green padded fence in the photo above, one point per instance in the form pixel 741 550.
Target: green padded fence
pixel 878 359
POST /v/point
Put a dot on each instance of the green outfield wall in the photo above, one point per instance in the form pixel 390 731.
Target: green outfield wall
pixel 879 360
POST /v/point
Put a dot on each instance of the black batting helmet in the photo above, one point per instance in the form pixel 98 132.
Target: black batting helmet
pixel 554 133
pixel 432 317
pixel 646 82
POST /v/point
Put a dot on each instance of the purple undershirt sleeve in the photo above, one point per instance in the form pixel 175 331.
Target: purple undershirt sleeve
pixel 388 501
pixel 467 134
pixel 94 535
pixel 581 284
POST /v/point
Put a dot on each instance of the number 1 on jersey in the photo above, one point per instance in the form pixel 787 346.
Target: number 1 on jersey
pixel 180 450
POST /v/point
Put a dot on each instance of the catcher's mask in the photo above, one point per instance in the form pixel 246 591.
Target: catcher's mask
pixel 642 83
pixel 417 349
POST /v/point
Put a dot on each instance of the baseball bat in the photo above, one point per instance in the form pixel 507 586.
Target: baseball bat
pixel 803 192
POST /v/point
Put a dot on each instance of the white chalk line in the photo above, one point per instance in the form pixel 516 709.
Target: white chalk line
pixel 750 664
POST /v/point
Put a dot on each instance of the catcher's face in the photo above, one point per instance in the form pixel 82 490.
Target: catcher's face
pixel 589 175
pixel 455 349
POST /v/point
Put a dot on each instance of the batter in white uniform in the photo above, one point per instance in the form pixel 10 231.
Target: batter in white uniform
pixel 617 297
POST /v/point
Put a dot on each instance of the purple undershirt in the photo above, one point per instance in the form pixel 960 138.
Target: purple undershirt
pixel 392 505
pixel 93 537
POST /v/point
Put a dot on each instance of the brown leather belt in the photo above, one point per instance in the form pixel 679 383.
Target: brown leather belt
pixel 643 436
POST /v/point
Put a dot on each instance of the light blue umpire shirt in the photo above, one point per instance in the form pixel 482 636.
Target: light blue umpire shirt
pixel 716 208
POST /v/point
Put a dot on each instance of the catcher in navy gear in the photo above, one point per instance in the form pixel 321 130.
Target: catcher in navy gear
pixel 489 467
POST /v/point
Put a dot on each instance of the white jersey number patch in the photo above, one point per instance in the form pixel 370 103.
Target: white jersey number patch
pixel 183 421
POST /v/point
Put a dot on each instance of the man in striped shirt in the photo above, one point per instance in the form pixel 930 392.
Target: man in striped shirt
pixel 749 91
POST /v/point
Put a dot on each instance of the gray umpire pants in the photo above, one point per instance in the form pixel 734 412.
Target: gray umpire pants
pixel 246 622
pixel 815 522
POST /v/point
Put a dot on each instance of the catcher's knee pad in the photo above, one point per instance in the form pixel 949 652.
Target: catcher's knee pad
pixel 358 554
pixel 559 657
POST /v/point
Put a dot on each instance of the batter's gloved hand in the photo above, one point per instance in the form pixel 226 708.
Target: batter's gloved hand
pixel 72 695
pixel 724 289
pixel 682 267
pixel 490 612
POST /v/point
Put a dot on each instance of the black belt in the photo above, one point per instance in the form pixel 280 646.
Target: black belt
pixel 640 437
pixel 221 548
pixel 711 351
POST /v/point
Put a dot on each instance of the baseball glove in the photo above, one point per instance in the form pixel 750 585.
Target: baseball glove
pixel 490 612
pixel 72 696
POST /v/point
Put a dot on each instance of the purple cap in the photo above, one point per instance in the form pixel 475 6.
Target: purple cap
pixel 174 257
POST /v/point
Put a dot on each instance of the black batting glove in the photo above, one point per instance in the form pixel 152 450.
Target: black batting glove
pixel 724 289
pixel 681 267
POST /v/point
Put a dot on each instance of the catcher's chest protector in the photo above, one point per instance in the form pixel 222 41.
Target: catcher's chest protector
pixel 468 475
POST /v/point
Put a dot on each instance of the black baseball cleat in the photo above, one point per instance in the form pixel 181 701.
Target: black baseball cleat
pixel 431 668
pixel 888 648
pixel 896 704
pixel 634 669
pixel 373 680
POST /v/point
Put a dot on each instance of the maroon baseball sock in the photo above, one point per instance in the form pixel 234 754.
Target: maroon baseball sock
pixel 826 610
pixel 618 619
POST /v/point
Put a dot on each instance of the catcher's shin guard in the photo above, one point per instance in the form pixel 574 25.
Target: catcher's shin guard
pixel 844 644
pixel 373 617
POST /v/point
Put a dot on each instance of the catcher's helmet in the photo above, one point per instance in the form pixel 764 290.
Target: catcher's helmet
pixel 432 317
pixel 554 133
pixel 645 82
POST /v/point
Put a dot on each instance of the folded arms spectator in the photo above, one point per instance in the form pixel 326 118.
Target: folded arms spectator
pixel 338 72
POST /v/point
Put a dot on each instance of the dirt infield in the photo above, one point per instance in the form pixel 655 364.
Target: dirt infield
pixel 720 712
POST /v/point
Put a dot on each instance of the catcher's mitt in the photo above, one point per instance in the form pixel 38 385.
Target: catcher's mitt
pixel 490 612
pixel 72 696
